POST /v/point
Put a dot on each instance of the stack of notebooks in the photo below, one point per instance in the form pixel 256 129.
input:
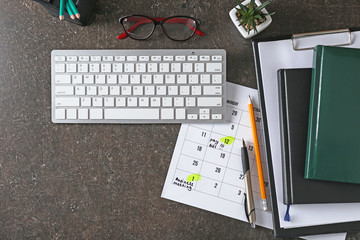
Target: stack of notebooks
pixel 320 128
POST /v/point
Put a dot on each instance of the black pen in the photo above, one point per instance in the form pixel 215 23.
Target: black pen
pixel 249 200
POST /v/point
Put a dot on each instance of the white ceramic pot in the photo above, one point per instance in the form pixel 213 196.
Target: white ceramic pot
pixel 241 29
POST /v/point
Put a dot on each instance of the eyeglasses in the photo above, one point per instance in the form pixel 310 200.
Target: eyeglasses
pixel 177 28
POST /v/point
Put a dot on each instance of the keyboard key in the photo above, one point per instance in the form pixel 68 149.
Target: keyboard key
pixel 146 79
pixel 170 78
pixel 216 116
pixel 88 79
pixel 168 58
pixel 123 79
pixel 84 58
pixel 196 90
pixel 108 58
pixel 71 58
pixel 83 67
pixel 100 79
pixel 175 67
pixel 164 67
pixel 149 90
pixel 199 67
pixel 114 90
pixel 131 58
pixel 67 102
pixel 193 79
pixel 126 90
pixel 217 78
pixel 204 116
pixel 103 90
pixel 144 58
pixel 205 79
pixel 184 90
pixel 117 67
pixel 120 58
pixel 138 90
pixel 95 58
pixel 152 67
pixel 71 67
pixel 80 90
pixel 129 67
pixel 85 102
pixel 105 67
pixel 187 67
pixel 209 101
pixel 77 79
pixel 132 101
pixel 216 58
pixel 135 79
pixel 161 90
pixel 181 79
pixel 167 113
pixel 173 90
pixel 111 79
pixel 129 113
pixel 192 58
pixel 180 113
pixel 71 114
pixel 60 68
pixel 155 102
pixel 158 79
pixel 94 67
pixel 62 79
pixel 60 58
pixel 204 58
pixel 156 58
pixel 167 101
pixel 213 67
pixel 179 101
pixel 96 114
pixel 83 113
pixel 120 102
pixel 97 102
pixel 91 90
pixel 60 113
pixel 179 58
pixel 144 102
pixel 192 116
pixel 141 67
pixel 212 90
pixel 190 102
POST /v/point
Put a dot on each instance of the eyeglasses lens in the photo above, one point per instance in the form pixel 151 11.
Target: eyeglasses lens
pixel 179 28
pixel 138 27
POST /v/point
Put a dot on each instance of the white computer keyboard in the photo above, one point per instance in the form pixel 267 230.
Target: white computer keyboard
pixel 138 86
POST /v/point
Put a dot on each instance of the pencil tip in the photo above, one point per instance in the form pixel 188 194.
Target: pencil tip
pixel 250 100
pixel 78 15
pixel 243 143
pixel 72 16
pixel 61 17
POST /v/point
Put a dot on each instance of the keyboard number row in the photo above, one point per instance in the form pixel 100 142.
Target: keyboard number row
pixel 137 67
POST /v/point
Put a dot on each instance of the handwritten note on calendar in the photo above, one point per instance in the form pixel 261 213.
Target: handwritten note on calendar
pixel 206 170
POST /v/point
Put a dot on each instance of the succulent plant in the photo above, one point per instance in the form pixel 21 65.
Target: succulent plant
pixel 251 15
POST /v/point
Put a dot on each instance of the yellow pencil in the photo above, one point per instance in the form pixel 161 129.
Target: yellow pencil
pixel 257 155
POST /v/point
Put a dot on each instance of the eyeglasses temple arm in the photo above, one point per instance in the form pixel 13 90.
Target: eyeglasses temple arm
pixel 124 34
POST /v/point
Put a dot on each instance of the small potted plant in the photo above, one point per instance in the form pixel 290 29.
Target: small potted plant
pixel 251 17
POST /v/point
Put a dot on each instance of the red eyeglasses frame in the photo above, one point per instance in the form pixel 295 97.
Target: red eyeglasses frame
pixel 160 21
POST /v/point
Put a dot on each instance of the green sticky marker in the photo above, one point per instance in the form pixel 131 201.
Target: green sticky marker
pixel 61 11
pixel 227 140
pixel 193 177
pixel 68 8
pixel 73 8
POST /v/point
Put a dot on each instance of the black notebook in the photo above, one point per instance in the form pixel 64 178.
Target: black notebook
pixel 294 94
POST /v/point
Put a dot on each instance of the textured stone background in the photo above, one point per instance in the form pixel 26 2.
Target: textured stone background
pixel 61 181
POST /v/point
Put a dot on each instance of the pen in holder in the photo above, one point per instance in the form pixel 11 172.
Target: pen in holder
pixel 85 8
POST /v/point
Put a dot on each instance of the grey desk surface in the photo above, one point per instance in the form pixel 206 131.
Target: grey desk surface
pixel 104 181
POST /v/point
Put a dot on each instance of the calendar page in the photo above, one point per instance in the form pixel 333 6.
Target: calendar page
pixel 206 169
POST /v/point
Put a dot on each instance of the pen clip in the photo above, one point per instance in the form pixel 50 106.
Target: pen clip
pixel 245 208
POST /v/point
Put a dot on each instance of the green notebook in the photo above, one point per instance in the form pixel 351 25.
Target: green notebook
pixel 333 144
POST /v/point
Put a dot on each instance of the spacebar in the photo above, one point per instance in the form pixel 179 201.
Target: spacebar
pixel 132 113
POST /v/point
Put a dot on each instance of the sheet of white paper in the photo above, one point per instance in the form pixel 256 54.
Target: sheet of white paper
pixel 334 236
pixel 275 55
pixel 200 149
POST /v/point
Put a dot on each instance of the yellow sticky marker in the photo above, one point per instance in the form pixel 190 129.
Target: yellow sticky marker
pixel 227 140
pixel 193 177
